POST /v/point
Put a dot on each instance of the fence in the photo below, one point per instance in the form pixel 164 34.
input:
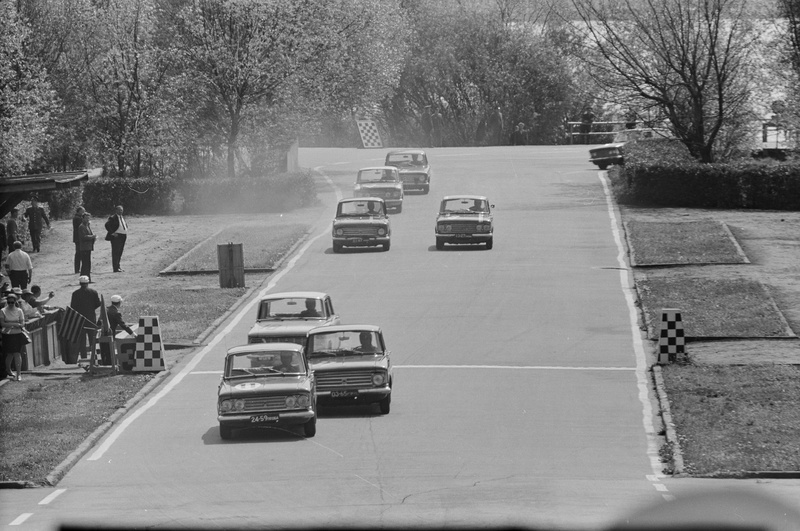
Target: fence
pixel 599 132
pixel 45 345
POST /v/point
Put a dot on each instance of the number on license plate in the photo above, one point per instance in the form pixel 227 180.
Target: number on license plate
pixel 255 419
pixel 343 394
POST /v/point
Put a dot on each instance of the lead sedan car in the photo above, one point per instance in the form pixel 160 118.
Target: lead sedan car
pixel 415 172
pixel 287 317
pixel 614 152
pixel 266 386
pixel 351 364
pixel 361 222
pixel 464 219
pixel 383 182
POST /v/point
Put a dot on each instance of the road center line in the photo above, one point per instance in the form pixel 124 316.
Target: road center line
pixel 52 496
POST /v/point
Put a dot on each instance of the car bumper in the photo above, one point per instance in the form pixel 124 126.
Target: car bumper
pixel 413 187
pixel 287 418
pixel 361 241
pixel 373 394
pixel 464 238
pixel 606 161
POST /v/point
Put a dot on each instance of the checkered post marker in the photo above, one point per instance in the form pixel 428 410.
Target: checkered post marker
pixel 148 356
pixel 370 136
pixel 671 341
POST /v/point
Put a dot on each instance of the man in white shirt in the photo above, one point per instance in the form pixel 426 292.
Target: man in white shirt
pixel 117 234
pixel 19 266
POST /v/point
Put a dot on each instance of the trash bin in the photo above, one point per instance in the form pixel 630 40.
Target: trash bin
pixel 230 259
pixel 126 349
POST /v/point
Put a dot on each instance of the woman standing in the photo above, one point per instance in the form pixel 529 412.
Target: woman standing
pixel 12 322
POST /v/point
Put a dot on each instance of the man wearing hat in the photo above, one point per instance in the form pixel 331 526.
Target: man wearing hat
pixel 86 240
pixel 115 317
pixel 19 266
pixel 86 301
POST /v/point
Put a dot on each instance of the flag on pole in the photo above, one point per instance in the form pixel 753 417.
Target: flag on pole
pixel 72 325
pixel 105 325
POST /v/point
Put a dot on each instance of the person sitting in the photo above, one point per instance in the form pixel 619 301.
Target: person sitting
pixel 25 299
pixel 39 302
pixel 477 206
pixel 311 310
pixel 366 343
pixel 371 208
pixel 288 363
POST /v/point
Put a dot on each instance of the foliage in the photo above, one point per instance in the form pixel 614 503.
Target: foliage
pixel 145 195
pixel 27 103
pixel 64 202
pixel 691 61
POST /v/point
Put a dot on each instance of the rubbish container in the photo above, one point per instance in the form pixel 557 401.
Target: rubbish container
pixel 231 265
pixel 126 349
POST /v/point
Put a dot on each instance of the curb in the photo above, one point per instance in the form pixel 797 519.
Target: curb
pixel 669 427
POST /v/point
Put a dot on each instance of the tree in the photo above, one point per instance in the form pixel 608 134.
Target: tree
pixel 690 60
pixel 27 103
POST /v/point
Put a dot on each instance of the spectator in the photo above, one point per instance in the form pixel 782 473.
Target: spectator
pixel 77 220
pixel 3 243
pixel 630 119
pixel 12 323
pixel 437 133
pixel 11 230
pixel 115 317
pixel 86 242
pixel 19 266
pixel 495 127
pixel 117 234
pixel 587 119
pixel 519 136
pixel 86 301
pixel 36 215
pixel 39 302
pixel 30 311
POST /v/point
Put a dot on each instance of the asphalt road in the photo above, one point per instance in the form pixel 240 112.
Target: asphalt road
pixel 520 389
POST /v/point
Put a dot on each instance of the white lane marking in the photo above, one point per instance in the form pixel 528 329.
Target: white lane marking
pixel 19 520
pixel 627 285
pixel 516 367
pixel 198 357
pixel 52 496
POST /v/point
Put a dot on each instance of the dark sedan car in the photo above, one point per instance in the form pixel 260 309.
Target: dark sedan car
pixel 464 219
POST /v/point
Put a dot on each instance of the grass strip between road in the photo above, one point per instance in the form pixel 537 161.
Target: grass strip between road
pixel 682 243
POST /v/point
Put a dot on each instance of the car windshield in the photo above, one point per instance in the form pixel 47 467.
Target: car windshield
pixel 405 159
pixel 360 208
pixel 464 206
pixel 377 175
pixel 264 364
pixel 291 308
pixel 347 343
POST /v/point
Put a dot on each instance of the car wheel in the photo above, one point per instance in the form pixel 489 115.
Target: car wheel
pixel 426 189
pixel 337 247
pixel 439 244
pixel 602 166
pixel 489 243
pixel 310 427
pixel 385 405
pixel 386 246
pixel 399 209
pixel 225 432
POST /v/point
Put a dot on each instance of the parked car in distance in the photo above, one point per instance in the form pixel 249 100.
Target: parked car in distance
pixel 464 219
pixel 613 153
pixel 361 222
pixel 352 365
pixel 415 172
pixel 287 317
pixel 383 182
pixel 266 386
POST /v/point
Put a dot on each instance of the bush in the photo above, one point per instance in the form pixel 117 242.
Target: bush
pixel 660 173
pixel 143 195
pixel 64 202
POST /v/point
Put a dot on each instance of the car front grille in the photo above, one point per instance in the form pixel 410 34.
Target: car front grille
pixel 359 231
pixel 331 381
pixel 265 403
pixel 413 178
pixel 464 228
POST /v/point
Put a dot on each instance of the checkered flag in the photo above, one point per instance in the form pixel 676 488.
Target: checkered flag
pixel 72 325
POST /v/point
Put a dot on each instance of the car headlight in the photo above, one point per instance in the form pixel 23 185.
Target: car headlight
pixel 225 406
pixel 291 402
pixel 378 379
pixel 238 405
pixel 445 228
pixel 381 232
pixel 339 232
pixel 303 401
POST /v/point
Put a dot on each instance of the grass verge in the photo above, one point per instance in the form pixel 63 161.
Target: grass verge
pixel 681 243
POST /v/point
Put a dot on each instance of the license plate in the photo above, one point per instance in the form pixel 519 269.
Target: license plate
pixel 343 394
pixel 356 240
pixel 255 419
pixel 463 235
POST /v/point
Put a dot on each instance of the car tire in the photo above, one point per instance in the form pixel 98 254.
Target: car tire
pixel 386 246
pixel 489 243
pixel 225 432
pixel 399 209
pixel 337 247
pixel 602 166
pixel 385 405
pixel 439 244
pixel 310 428
pixel 426 189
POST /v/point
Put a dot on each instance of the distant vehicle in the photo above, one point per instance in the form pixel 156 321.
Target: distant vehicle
pixel 361 222
pixel 287 317
pixel 613 153
pixel 266 386
pixel 415 171
pixel 464 219
pixel 383 182
pixel 352 365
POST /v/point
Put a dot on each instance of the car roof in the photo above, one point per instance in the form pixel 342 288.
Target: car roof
pixel 465 196
pixel 264 347
pixel 295 295
pixel 378 168
pixel 356 199
pixel 407 151
pixel 346 328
